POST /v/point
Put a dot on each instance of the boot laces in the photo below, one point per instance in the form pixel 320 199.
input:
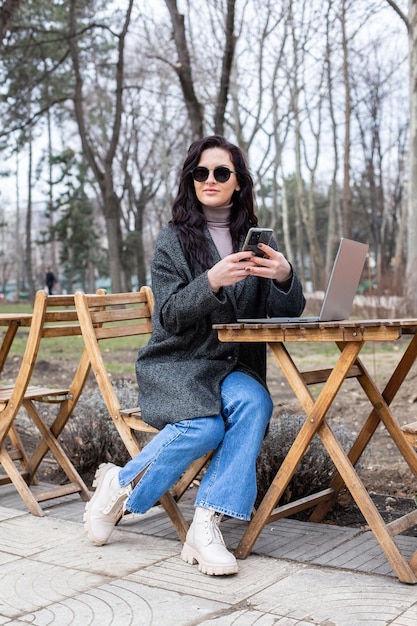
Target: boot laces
pixel 216 519
pixel 117 500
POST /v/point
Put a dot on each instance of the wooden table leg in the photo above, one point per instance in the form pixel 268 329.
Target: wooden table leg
pixel 316 411
pixel 359 493
pixel 372 422
pixel 406 572
pixel 7 342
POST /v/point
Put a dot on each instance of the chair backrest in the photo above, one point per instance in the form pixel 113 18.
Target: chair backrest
pixel 61 319
pixel 112 316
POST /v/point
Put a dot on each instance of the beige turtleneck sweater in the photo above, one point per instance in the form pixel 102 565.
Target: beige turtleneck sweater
pixel 218 223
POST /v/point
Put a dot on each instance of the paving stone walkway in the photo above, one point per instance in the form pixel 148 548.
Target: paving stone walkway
pixel 298 574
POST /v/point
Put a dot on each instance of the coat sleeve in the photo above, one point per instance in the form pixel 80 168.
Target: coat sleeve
pixel 182 298
pixel 290 302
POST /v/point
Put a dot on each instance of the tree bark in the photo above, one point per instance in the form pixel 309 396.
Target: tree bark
pixel 335 223
pixel 229 52
pixel 28 236
pixel 347 191
pixel 183 70
pixel 411 268
pixel 412 177
pixel 8 9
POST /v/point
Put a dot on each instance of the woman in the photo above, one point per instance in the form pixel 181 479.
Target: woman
pixel 203 394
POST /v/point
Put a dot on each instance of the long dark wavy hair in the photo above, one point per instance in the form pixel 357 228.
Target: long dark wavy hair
pixel 187 213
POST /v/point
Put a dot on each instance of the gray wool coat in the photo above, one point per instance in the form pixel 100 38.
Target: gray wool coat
pixel 180 371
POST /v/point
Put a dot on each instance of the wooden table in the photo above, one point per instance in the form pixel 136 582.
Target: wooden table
pixel 350 337
pixel 12 321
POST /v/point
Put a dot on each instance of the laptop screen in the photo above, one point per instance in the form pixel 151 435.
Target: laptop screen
pixel 341 287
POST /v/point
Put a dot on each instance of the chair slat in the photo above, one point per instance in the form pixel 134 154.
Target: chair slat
pixel 112 332
pixel 119 315
pixel 119 299
pixel 61 331
pixel 61 316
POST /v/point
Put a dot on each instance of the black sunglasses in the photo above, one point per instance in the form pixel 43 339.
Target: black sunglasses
pixel 220 173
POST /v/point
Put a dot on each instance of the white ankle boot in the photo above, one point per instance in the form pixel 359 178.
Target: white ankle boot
pixel 105 508
pixel 204 545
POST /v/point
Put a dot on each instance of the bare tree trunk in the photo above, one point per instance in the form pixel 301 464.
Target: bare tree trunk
pixel 279 135
pixel 103 175
pixel 347 192
pixel 412 176
pixel 229 51
pixel 53 259
pixel 302 226
pixel 411 267
pixel 183 70
pixel 18 242
pixel 304 200
pixel 334 227
pixel 28 247
pixel 138 202
pixel 140 252
pixel 286 223
pixel 8 9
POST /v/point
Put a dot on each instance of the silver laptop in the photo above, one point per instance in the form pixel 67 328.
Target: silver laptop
pixel 341 288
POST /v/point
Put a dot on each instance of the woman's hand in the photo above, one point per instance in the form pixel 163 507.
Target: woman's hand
pixel 273 265
pixel 231 270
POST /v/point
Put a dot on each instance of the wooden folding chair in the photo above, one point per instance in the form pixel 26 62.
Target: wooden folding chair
pixel 121 315
pixel 53 316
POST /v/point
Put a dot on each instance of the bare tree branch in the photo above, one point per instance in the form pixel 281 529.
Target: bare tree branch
pixel 397 9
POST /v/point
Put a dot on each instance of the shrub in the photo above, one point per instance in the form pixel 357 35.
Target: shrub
pixel 90 437
pixel 315 469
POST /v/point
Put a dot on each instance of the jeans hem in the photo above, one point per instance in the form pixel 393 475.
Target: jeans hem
pixel 225 511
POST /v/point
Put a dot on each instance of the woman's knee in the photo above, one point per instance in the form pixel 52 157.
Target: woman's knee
pixel 207 432
pixel 246 390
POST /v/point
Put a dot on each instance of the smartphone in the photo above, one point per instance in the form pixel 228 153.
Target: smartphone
pixel 255 236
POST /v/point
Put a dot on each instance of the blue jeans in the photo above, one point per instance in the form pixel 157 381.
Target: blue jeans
pixel 235 434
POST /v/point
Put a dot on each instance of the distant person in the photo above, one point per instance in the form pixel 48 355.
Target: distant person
pixel 50 280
